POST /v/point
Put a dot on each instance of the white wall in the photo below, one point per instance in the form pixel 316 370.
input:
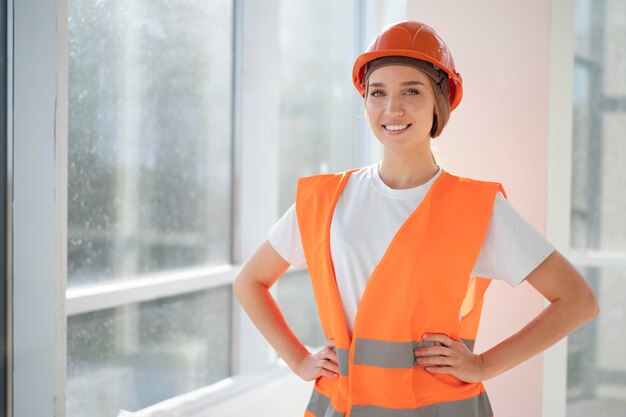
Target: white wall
pixel 500 132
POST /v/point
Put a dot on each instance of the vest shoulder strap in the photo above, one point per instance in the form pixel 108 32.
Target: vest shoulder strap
pixel 315 196
pixel 474 184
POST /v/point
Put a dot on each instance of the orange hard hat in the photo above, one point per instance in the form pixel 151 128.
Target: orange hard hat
pixel 413 40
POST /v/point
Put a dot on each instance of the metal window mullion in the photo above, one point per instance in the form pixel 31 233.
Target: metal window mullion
pixel 9 208
pixel 236 172
pixel 559 170
pixel 61 163
pixel 39 197
pixel 168 284
pixel 121 293
pixel 257 192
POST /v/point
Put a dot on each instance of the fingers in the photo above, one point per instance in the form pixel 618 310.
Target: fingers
pixel 432 351
pixel 327 354
pixel 327 373
pixel 438 355
pixel 330 355
pixel 325 364
pixel 329 351
pixel 438 337
pixel 436 361
pixel 435 355
pixel 452 357
pixel 327 360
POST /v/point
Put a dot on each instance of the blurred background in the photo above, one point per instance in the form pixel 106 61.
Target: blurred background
pixel 187 127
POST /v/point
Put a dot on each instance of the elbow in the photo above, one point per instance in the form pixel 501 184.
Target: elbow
pixel 244 286
pixel 237 287
pixel 589 306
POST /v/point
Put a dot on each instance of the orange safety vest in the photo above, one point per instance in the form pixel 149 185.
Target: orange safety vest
pixel 420 285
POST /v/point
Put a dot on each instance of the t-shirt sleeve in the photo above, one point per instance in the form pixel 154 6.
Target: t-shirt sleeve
pixel 285 238
pixel 512 248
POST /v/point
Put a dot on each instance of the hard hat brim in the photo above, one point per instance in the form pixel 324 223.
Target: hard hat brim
pixel 454 78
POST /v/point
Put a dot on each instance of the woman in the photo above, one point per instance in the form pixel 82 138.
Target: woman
pixel 397 251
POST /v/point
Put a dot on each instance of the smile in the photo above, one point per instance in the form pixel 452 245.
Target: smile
pixel 396 128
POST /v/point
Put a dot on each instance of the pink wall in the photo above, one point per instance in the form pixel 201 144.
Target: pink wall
pixel 500 132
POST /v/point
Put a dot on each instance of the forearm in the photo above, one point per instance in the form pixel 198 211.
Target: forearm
pixel 556 321
pixel 267 317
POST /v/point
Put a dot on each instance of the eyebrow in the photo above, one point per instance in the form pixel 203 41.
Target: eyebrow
pixel 402 84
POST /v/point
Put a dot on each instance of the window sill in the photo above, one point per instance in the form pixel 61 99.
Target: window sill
pixel 204 401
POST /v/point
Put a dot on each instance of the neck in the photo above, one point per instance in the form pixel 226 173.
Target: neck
pixel 401 171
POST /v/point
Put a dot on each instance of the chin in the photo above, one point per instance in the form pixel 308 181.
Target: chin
pixel 402 144
pixel 396 146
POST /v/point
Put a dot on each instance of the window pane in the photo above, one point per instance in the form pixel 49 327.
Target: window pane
pixel 134 356
pixel 596 368
pixel 149 137
pixel 295 299
pixel 318 112
pixel 599 148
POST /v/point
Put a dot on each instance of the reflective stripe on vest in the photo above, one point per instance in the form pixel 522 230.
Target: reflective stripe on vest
pixel 477 406
pixel 389 354
pixel 342 360
pixel 384 354
pixel 320 406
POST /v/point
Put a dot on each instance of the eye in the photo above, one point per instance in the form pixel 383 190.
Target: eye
pixel 376 93
pixel 412 91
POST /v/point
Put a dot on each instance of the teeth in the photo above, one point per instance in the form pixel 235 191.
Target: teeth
pixel 396 127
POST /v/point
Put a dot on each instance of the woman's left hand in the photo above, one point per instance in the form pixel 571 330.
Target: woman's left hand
pixel 454 358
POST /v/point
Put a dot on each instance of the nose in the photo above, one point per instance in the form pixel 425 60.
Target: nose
pixel 394 106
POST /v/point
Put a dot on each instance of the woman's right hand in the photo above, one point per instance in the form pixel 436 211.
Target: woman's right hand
pixel 322 363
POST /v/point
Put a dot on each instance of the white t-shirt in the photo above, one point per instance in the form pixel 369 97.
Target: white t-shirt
pixel 368 215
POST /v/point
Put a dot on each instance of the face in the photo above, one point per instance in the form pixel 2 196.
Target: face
pixel 399 107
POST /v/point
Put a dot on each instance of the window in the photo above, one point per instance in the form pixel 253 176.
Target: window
pixel 149 137
pixel 149 196
pixel 596 380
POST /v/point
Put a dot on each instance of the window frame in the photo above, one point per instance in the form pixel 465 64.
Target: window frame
pixel 37 184
pixel 5 233
pixel 554 369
